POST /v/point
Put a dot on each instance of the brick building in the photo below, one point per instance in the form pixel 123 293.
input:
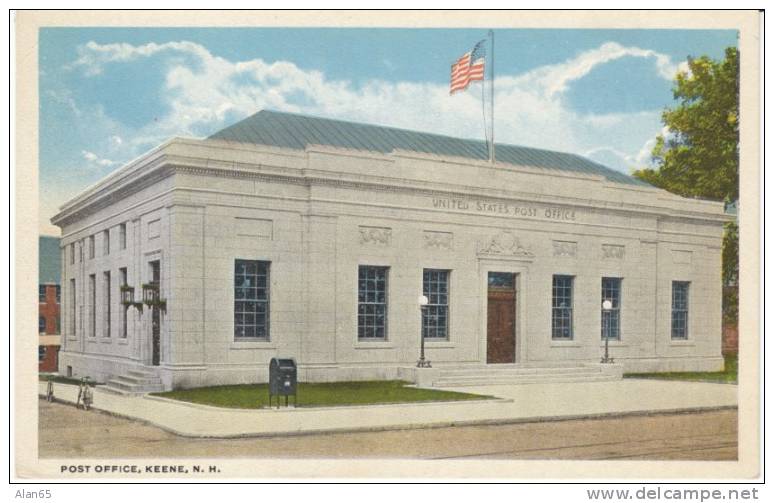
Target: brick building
pixel 49 299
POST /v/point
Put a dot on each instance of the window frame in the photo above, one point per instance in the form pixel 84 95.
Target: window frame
pixel 364 313
pixel 122 236
pixel 123 277
pixel 616 309
pixel 92 307
pixel 566 311
pixel 244 301
pixel 437 306
pixel 71 325
pixel 685 311
pixel 41 294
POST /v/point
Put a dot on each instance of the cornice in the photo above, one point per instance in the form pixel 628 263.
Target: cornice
pixel 161 163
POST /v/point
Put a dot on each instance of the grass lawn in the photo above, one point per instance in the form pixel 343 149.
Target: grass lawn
pixel 727 376
pixel 255 396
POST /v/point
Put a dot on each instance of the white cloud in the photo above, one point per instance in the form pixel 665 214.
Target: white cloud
pixel 116 140
pixel 203 92
pixel 95 159
pixel 554 79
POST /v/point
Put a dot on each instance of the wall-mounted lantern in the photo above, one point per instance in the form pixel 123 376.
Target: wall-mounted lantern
pixel 151 296
pixel 127 298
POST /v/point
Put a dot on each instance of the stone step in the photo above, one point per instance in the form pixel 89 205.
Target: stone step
pixel 135 382
pixel 516 371
pixel 131 388
pixel 141 373
pixel 525 379
pixel 139 380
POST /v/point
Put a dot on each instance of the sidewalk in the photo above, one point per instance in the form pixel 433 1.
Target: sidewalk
pixel 517 403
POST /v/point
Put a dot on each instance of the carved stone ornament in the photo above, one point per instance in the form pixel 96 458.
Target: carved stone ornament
pixel 375 235
pixel 565 248
pixel 438 240
pixel 612 252
pixel 504 243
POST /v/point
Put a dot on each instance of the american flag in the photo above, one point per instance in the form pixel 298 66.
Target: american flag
pixel 467 69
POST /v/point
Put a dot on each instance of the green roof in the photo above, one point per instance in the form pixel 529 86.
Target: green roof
pixel 49 260
pixel 295 131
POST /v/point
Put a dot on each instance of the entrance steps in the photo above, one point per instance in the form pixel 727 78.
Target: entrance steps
pixel 483 375
pixel 134 382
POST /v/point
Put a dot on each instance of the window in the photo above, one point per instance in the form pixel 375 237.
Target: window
pixel 72 308
pixel 80 251
pixel 41 353
pixel 372 302
pixel 501 280
pixel 106 242
pixel 91 246
pixel 122 236
pixel 72 253
pixel 251 299
pixel 92 305
pixel 611 318
pixel 435 316
pixel 41 325
pixel 41 293
pixel 561 312
pixel 106 309
pixel 122 312
pixel 680 309
pixel 58 294
pixel 56 324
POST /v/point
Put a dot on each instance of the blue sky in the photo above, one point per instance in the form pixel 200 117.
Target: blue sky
pixel 109 94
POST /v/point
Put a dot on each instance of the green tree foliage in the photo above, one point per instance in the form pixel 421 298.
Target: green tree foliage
pixel 699 154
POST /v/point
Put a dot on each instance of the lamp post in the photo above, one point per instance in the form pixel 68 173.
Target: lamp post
pixel 422 363
pixel 607 306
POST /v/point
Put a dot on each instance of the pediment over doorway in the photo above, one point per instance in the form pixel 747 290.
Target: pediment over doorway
pixel 504 244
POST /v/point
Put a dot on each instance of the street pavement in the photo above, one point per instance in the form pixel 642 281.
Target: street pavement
pixel 514 404
pixel 68 433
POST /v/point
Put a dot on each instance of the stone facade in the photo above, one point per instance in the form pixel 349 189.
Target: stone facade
pixel 316 215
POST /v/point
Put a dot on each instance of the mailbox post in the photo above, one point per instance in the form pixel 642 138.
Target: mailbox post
pixel 283 380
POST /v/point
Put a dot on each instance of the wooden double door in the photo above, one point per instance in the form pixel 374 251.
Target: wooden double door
pixel 501 325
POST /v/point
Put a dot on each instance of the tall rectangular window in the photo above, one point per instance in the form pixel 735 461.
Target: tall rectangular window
pixel 106 242
pixel 91 246
pixel 611 318
pixel 561 308
pixel 251 299
pixel 680 309
pixel 106 307
pixel 41 293
pixel 435 316
pixel 58 294
pixel 92 305
pixel 122 312
pixel 372 302
pixel 72 310
pixel 122 236
pixel 72 253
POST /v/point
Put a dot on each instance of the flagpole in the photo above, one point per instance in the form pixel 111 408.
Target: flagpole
pixel 491 100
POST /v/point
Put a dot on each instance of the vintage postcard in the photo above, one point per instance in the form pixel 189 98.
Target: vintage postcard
pixel 491 245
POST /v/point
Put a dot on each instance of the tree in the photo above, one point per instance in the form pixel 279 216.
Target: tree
pixel 698 156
